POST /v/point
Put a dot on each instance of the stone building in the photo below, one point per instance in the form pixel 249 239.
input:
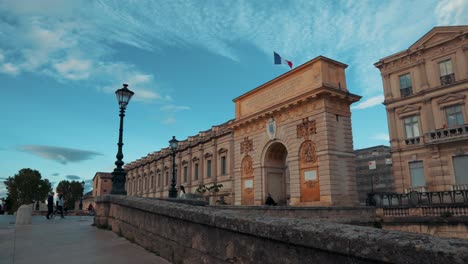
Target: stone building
pixel 291 137
pixel 102 183
pixel 373 171
pixel 426 88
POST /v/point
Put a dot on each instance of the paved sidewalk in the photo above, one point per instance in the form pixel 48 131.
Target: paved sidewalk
pixel 70 240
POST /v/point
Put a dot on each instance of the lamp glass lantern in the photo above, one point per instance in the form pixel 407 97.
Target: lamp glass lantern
pixel 124 95
pixel 173 143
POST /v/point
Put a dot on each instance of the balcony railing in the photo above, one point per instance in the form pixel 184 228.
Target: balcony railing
pixel 447 79
pixel 414 198
pixel 413 141
pixel 406 92
pixel 447 134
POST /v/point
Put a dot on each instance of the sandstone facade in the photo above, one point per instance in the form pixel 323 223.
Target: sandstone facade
pixel 426 88
pixel 291 138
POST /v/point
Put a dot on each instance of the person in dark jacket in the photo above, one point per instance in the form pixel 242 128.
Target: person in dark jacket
pixel 270 201
pixel 50 205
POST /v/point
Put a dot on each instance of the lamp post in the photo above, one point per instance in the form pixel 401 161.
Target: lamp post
pixel 81 198
pixel 173 144
pixel 118 175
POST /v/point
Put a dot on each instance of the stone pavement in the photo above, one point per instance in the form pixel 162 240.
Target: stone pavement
pixel 70 240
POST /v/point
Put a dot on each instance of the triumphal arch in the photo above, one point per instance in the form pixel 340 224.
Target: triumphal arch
pixel 291 138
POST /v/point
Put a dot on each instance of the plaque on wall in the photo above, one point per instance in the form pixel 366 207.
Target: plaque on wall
pixel 310 175
pixel 248 184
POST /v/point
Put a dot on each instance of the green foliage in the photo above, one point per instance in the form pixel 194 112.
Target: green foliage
pixel 26 187
pixel 212 189
pixel 72 192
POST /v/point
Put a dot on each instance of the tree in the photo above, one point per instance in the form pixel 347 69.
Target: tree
pixel 26 187
pixel 72 192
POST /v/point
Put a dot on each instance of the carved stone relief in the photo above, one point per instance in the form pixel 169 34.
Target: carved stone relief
pixel 308 152
pixel 247 167
pixel 246 145
pixel 306 128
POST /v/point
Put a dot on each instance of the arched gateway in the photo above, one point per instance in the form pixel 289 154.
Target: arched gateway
pixel 276 173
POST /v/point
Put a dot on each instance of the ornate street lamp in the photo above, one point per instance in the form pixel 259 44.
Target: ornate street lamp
pixel 173 144
pixel 118 175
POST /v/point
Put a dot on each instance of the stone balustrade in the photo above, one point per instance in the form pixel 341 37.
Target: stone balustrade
pixel 447 134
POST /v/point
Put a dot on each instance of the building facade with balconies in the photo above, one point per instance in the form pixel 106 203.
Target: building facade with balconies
pixel 426 89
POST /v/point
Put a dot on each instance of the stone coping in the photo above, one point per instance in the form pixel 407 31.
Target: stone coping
pixel 294 208
pixel 362 242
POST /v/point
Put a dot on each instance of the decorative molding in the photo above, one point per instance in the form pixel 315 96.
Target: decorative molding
pixel 306 128
pixel 222 150
pixel 184 162
pixel 308 152
pixel 246 145
pixel 408 110
pixel 208 155
pixel 451 99
pixel 194 159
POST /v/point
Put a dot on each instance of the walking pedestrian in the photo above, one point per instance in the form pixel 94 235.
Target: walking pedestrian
pixel 50 205
pixel 59 205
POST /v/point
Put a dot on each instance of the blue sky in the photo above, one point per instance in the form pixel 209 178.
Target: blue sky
pixel 61 61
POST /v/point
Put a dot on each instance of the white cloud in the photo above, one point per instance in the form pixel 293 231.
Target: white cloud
pixel 74 69
pixel 452 12
pixel 10 69
pixel 371 102
pixel 174 108
pixel 169 120
pixel 381 136
pixel 38 36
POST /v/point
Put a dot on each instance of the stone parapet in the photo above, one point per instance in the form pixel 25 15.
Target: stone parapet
pixel 338 214
pixel 183 233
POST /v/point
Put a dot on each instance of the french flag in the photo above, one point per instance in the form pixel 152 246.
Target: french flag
pixel 279 60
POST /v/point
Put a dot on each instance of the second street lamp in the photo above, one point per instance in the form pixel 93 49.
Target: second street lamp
pixel 118 175
pixel 173 144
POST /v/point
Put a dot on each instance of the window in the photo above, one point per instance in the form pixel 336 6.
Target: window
pixel 196 171
pixel 454 116
pixel 460 164
pixel 152 181
pixel 208 168
pixel 185 173
pixel 412 127
pixel 446 72
pixel 223 165
pixel 417 174
pixel 159 180
pixel 405 85
pixel 167 178
pixel 146 183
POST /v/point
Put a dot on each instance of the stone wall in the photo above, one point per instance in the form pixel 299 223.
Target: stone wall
pixel 183 233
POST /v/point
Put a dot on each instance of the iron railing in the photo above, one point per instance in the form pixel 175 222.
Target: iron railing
pixel 447 79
